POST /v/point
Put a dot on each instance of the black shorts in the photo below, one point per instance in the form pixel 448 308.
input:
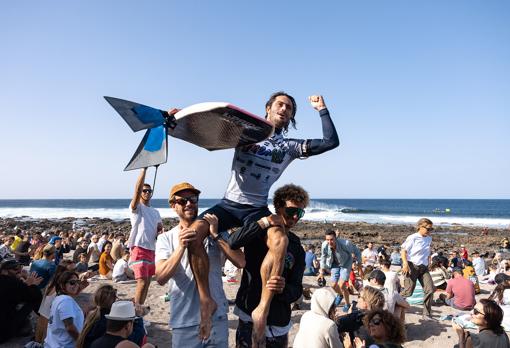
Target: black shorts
pixel 232 214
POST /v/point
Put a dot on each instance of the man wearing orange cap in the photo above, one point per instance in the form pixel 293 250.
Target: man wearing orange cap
pixel 172 263
pixel 145 226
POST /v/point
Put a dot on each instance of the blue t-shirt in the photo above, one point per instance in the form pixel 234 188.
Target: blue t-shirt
pixel 309 258
pixel 44 269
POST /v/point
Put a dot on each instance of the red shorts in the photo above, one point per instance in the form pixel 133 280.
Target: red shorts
pixel 142 263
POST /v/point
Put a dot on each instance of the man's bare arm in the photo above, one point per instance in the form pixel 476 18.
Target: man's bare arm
pixel 138 189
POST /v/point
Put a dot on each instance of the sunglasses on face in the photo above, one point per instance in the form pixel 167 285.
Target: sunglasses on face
pixel 375 321
pixel 147 190
pixel 292 211
pixel 185 200
pixel 476 311
pixel 73 282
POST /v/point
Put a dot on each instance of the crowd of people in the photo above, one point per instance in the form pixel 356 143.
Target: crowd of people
pixel 44 273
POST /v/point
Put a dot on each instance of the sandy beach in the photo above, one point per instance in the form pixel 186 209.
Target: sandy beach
pixel 419 334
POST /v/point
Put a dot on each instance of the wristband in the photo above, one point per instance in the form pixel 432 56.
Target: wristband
pixel 217 237
pixel 265 221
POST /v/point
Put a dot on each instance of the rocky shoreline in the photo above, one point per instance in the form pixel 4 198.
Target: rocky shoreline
pixel 445 237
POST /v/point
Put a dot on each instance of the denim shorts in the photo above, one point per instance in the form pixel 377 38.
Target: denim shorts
pixel 340 273
pixel 187 337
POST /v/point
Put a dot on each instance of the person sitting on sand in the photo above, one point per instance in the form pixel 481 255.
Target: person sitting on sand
pixel 66 317
pixel 310 261
pixel 395 258
pixel 487 315
pixel 352 321
pixel 369 256
pixel 5 248
pixel 172 264
pixel 118 246
pixel 501 294
pixel 460 292
pixel 317 327
pixel 384 330
pixel 121 271
pixel 106 261
pixel 93 250
pixel 45 267
pixel 478 264
pixel 119 326
pixel 438 273
pixel 82 248
pixel 18 298
pixel 96 322
pixel 394 302
pixel 337 258
pixel 82 265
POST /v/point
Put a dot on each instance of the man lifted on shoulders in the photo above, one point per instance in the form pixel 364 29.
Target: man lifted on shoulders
pixel 254 170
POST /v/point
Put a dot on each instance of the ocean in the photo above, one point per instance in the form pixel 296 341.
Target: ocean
pixel 474 212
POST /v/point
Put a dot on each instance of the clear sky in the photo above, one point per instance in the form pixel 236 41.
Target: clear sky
pixel 419 92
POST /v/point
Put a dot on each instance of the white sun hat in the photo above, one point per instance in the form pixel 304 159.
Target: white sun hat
pixel 122 310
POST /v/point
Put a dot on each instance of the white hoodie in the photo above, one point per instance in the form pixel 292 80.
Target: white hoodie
pixel 316 329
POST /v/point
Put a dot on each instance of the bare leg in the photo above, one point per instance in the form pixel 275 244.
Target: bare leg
pixel 146 290
pixel 272 265
pixel 199 262
pixel 345 290
pixel 141 284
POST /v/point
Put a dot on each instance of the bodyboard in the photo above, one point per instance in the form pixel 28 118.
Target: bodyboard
pixel 216 126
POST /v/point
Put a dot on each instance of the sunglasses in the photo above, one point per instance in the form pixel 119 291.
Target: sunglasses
pixel 375 321
pixel 73 282
pixel 292 211
pixel 147 190
pixel 476 311
pixel 428 228
pixel 183 201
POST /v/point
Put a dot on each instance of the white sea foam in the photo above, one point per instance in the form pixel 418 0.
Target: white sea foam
pixel 316 212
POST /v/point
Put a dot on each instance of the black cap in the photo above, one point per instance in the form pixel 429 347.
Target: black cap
pixel 378 275
pixel 8 264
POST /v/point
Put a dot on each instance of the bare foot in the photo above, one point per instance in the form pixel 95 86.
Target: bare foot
pixel 259 328
pixel 207 309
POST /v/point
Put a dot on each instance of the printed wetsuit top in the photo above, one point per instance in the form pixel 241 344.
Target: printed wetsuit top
pixel 256 167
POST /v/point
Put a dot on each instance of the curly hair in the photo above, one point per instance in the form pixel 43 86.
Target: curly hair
pixel 393 327
pixel 290 192
pixel 373 297
pixel 271 100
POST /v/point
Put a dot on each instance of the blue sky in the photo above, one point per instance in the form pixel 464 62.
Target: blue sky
pixel 419 92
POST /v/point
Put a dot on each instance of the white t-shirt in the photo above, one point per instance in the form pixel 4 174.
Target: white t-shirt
pixel 94 256
pixel 418 249
pixel 183 293
pixel 45 308
pixel 391 281
pixel 370 255
pixel 144 227
pixel 119 269
pixel 63 307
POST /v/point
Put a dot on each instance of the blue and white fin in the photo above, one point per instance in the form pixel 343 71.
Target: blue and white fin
pixel 137 116
pixel 152 151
